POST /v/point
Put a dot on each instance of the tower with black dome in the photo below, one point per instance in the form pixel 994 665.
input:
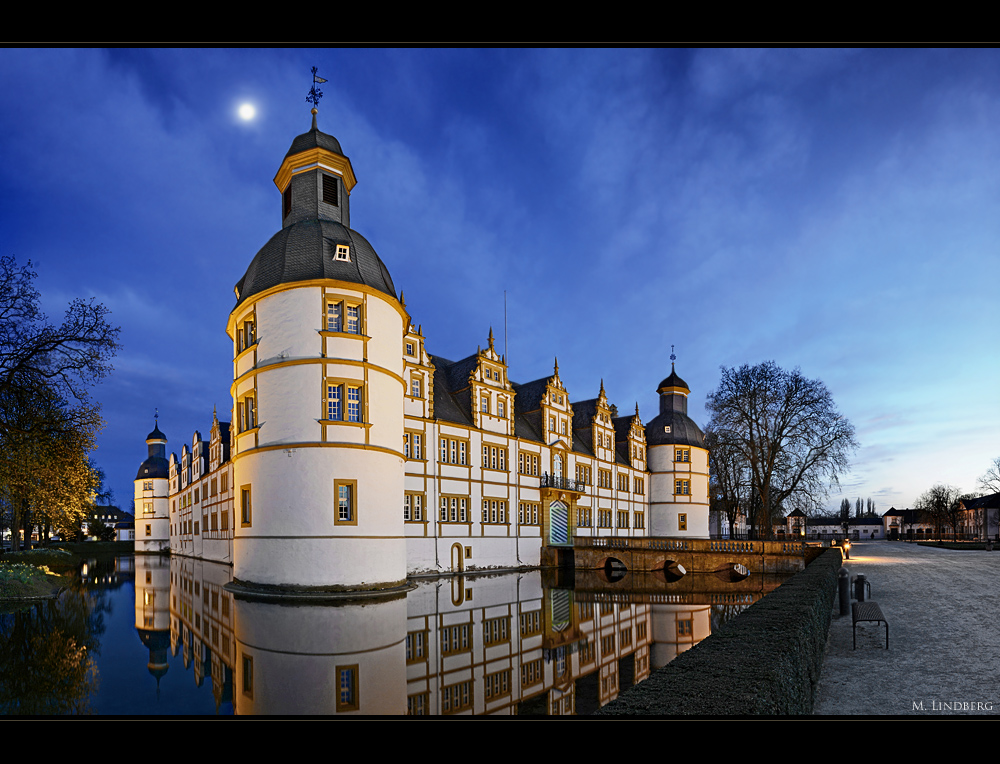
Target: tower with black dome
pixel 678 465
pixel 317 391
pixel 152 516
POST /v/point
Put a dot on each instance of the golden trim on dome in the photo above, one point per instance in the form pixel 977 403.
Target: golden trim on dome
pixel 315 157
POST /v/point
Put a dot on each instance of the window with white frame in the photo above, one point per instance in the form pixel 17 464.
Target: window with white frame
pixel 343 316
pixel 346 498
pixel 344 402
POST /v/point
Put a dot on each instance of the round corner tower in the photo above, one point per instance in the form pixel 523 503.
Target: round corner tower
pixel 318 392
pixel 678 463
pixel 152 515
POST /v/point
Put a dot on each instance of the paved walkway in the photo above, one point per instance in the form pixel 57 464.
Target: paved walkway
pixel 943 610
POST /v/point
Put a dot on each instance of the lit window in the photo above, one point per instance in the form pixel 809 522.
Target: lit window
pixel 343 253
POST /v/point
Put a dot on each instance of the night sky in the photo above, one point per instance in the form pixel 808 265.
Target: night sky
pixel 836 211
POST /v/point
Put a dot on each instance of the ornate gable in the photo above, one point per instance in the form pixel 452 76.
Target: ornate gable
pixel 492 396
pixel 557 412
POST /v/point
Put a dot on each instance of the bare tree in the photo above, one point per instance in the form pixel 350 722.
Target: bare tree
pixel 787 430
pixel 37 357
pixel 729 480
pixel 944 504
pixel 990 481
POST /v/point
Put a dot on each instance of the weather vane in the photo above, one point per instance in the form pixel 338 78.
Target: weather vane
pixel 672 356
pixel 314 92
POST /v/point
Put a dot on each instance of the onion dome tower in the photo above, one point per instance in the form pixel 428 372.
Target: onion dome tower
pixel 678 463
pixel 317 391
pixel 152 511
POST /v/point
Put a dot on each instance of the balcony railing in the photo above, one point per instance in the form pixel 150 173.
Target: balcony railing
pixel 565 483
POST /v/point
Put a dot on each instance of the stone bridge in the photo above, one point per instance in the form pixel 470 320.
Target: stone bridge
pixel 692 555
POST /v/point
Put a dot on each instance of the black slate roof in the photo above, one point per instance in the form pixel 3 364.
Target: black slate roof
pixel 153 467
pixel 683 430
pixel 314 139
pixel 673 381
pixel 304 251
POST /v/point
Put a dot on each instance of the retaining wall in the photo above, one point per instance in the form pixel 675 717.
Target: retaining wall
pixel 764 662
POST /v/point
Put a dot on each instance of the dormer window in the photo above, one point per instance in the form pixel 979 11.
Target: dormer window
pixel 343 253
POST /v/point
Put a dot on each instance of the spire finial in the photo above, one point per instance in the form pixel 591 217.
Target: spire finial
pixel 672 358
pixel 637 408
pixel 556 367
pixel 156 418
pixel 314 95
pixel 491 338
pixel 602 386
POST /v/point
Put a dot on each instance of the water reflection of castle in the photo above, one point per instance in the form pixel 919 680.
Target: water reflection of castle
pixel 355 457
pixel 508 644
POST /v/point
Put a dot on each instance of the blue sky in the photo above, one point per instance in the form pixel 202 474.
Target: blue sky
pixel 827 209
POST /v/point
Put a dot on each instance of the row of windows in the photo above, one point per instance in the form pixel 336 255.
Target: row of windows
pixel 193 497
pixel 484 406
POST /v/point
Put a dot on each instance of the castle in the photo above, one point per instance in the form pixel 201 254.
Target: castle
pixel 355 457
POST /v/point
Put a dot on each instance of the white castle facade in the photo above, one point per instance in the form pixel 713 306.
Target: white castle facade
pixel 355 458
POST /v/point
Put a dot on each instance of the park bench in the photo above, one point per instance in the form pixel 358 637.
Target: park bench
pixel 868 611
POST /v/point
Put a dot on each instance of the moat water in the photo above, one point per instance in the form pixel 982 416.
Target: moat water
pixel 145 635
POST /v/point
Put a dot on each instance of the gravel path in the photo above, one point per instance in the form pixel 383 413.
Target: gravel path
pixel 944 636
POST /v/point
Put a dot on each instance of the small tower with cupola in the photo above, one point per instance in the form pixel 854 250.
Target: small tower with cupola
pixel 678 465
pixel 152 514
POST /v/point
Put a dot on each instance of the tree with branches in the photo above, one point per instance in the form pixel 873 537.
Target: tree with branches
pixel 787 431
pixel 990 480
pixel 729 480
pixel 943 502
pixel 48 424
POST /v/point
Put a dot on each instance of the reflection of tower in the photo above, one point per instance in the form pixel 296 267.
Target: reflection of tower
pixel 678 461
pixel 320 659
pixel 677 628
pixel 152 610
pixel 318 392
pixel 152 518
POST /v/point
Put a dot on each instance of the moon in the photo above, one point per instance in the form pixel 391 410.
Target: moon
pixel 247 111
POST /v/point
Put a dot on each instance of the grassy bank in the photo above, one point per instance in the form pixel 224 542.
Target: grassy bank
pixel 25 576
pixel 764 662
